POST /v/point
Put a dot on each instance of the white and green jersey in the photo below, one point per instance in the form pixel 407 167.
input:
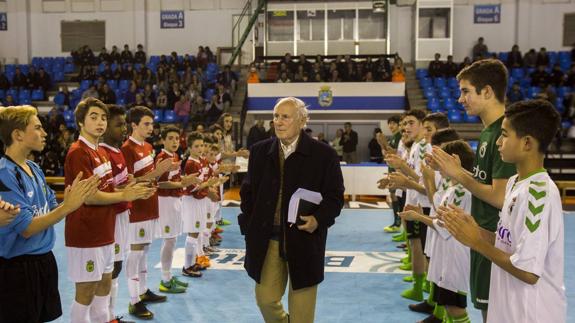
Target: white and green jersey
pixel 416 155
pixel 530 229
pixel 449 266
pixel 441 185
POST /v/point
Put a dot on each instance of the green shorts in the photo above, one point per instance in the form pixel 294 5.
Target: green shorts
pixel 479 279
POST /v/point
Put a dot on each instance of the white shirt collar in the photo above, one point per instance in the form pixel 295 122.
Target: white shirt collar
pixel 114 149
pixel 289 149
pixel 89 144
pixel 141 143
pixel 168 153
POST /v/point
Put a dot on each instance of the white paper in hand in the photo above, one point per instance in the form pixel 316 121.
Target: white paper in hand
pixel 301 194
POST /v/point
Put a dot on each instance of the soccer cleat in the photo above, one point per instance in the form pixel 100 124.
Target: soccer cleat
pixel 422 307
pixel 408 279
pixel 218 230
pixel 402 246
pixel 405 260
pixel 431 319
pixel 140 311
pixel 398 239
pixel 391 229
pixel 150 297
pixel 119 319
pixel 412 294
pixel 406 267
pixel 192 271
pixel 217 236
pixel 399 235
pixel 225 222
pixel 179 282
pixel 171 287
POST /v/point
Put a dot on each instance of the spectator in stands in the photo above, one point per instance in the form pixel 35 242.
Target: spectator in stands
pixel 337 144
pixel 435 68
pixel 65 93
pixel 398 74
pixel 202 57
pixel 43 80
pixel 201 76
pixel 349 143
pixel 466 62
pixel 107 73
pixel 182 109
pixel 155 139
pixel 31 77
pixel 300 74
pixel 9 101
pixel 539 77
pixel 543 57
pixel 118 72
pixel 130 96
pixel 570 81
pixel 319 59
pixel 91 92
pixel 450 69
pixel 4 82
pixel 198 108
pixel 557 76
pixel 87 73
pixel 161 75
pixel 210 55
pixel 253 75
pixel 383 70
pixel 106 95
pixel 104 57
pixel 174 94
pixel 162 100
pixel 289 63
pixel 214 110
pixel 515 93
pixel 530 58
pixel 19 80
pixel 271 130
pixel 351 74
pixel 126 57
pixel 148 78
pixel 115 55
pixel 87 57
pixel 514 58
pixel 128 72
pixel 302 60
pixel 224 97
pixel 369 65
pixel 257 133
pixel 140 55
pixel 317 69
pixel 334 77
pixel 187 77
pixel 51 164
pixel 283 78
pixel 548 94
pixel 480 50
pixel 53 123
pixel 375 155
pixel 149 96
pixel 228 78
pixel 369 77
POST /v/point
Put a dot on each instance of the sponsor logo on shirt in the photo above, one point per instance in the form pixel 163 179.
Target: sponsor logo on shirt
pixel 482 149
pixel 478 173
pixel 30 194
pixel 90 266
pixel 504 235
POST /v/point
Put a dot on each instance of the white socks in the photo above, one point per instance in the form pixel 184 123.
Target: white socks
pixel 132 272
pixel 79 313
pixel 166 256
pixel 99 309
pixel 143 272
pixel 191 251
pixel 113 297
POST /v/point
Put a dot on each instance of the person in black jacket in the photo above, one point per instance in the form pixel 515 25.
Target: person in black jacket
pixel 257 133
pixel 375 155
pixel 435 68
pixel 275 249
pixel 349 143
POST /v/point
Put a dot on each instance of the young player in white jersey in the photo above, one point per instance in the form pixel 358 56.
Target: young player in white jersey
pixel 527 248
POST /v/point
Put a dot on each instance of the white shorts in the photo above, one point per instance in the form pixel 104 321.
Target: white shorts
pixel 89 264
pixel 194 214
pixel 170 221
pixel 121 246
pixel 142 232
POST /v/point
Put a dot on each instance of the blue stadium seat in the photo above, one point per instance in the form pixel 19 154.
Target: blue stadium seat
pixel 59 76
pixel 38 95
pixel 533 91
pixel 449 104
pixel 470 119
pixel 503 56
pixel 445 93
pixel 454 116
pixel 12 92
pixel 59 98
pixel 429 93
pixel 24 69
pixel 113 84
pixel 456 93
pixel 2 94
pixel 562 91
pixel 421 73
pixel 453 83
pixel 566 124
pixel 559 104
pixel 439 82
pixel 433 105
pixel 85 84
pixel 169 116
pixel 158 115
pixel 68 115
pixel 425 82
pixel 24 96
pixel 473 144
pixel 124 85
pixel 69 68
pixel 517 73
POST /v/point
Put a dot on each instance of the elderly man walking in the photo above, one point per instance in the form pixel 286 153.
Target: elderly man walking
pixel 276 249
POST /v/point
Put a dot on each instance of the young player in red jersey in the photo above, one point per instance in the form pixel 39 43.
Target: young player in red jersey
pixel 144 214
pixel 171 186
pixel 89 231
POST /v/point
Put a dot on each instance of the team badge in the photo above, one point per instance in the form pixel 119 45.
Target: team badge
pixel 209 216
pixel 117 248
pixel 197 224
pixel 325 96
pixel 167 229
pixel 142 233
pixel 90 266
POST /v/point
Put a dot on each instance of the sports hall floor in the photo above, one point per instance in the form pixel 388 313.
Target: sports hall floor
pixel 362 282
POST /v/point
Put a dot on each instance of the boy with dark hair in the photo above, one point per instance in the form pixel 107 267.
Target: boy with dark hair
pixel 30 209
pixel 527 248
pixel 483 85
pixel 391 145
pixel 144 214
pixel 90 230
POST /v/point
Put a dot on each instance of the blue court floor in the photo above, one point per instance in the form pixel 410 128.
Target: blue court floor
pixel 362 282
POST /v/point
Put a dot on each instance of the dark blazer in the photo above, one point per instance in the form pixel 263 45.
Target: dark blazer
pixel 313 166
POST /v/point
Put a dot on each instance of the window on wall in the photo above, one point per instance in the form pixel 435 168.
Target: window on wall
pixel 311 24
pixel 371 25
pixel 434 23
pixel 340 24
pixel 569 29
pixel 280 25
pixel 78 33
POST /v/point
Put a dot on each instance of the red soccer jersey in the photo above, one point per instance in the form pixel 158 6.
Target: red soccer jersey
pixel 173 176
pixel 199 168
pixel 90 225
pixel 140 160
pixel 120 172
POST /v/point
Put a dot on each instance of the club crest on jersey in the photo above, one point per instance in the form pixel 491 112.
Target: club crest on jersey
pixel 116 248
pixel 197 224
pixel 142 233
pixel 483 149
pixel 167 229
pixel 30 194
pixel 90 266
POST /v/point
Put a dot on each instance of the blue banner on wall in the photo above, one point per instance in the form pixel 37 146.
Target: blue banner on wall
pixel 487 14
pixel 3 21
pixel 172 19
